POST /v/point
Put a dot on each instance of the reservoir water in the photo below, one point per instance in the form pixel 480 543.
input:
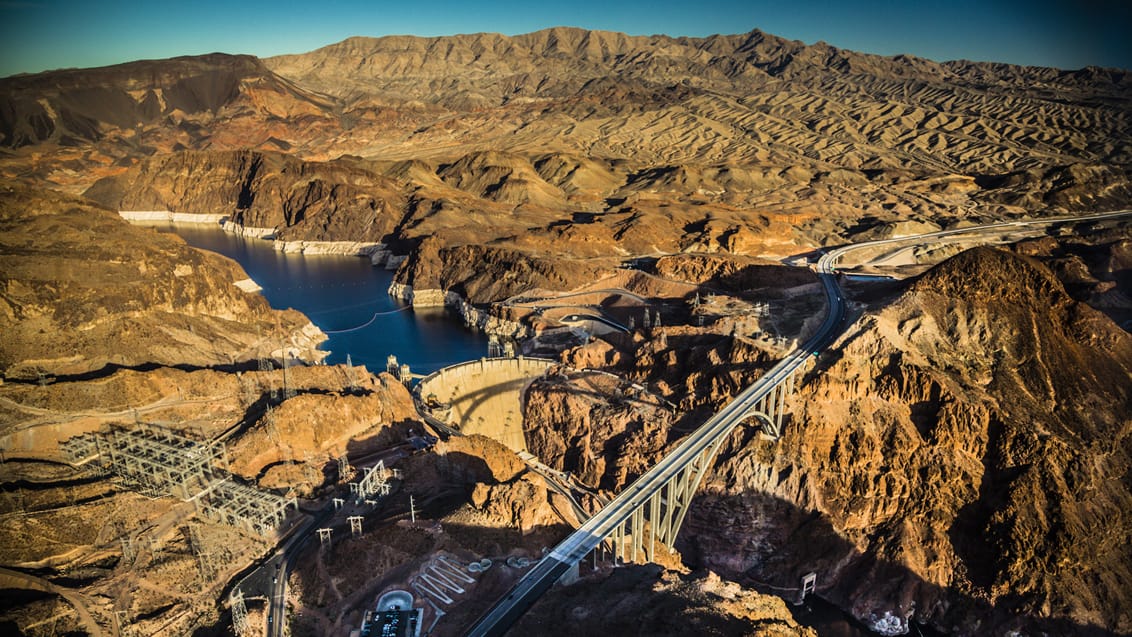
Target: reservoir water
pixel 343 293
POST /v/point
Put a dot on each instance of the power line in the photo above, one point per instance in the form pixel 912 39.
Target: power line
pixel 367 323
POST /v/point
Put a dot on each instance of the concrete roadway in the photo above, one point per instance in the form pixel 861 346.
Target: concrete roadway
pixel 611 291
pixel 570 551
pixel 581 318
pixel 933 237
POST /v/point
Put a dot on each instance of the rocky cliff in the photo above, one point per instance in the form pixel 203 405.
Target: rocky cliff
pixel 484 274
pixel 82 289
pixel 320 201
pixel 959 460
pixel 571 423
pixel 646 600
pixel 293 443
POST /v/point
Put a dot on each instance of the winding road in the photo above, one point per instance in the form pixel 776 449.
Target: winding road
pixel 17 580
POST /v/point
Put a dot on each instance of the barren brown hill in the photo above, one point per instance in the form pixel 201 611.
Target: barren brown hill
pixel 80 105
pixel 71 126
pixel 529 128
pixel 751 98
pixel 81 289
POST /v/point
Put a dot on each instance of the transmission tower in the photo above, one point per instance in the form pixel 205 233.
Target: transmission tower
pixel 204 561
pixel 265 365
pixel 128 549
pixel 239 612
pixel 351 382
pixel 288 391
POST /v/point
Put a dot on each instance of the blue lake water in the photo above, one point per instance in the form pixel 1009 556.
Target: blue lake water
pixel 342 293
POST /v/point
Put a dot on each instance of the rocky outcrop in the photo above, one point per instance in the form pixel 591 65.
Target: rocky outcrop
pixel 730 273
pixel 958 462
pixel 302 201
pixel 484 274
pixel 697 369
pixel 1096 270
pixel 492 320
pixel 646 600
pixel 83 289
pixel 315 426
pixel 502 491
pixel 596 427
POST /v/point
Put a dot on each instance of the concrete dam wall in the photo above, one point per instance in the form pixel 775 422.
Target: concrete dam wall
pixel 484 397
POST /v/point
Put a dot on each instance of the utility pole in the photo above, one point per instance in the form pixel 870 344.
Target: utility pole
pixel 203 557
pixel 266 366
pixel 343 467
pixel 412 509
pixel 286 390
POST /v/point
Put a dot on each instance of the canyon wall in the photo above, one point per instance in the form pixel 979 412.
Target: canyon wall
pixel 957 458
pixel 83 289
pixel 300 200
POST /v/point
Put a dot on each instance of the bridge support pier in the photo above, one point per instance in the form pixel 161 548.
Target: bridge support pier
pixel 772 408
pixel 658 518
pixel 809 583
pixel 570 576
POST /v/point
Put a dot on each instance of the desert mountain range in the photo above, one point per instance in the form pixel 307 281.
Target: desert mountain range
pixel 678 143
pixel 949 462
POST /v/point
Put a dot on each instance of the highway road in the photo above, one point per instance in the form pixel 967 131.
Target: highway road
pixel 280 563
pixel 933 237
pixel 570 551
pixel 578 318
pixel 512 302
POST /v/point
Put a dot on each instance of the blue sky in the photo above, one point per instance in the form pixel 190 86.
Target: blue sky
pixel 36 35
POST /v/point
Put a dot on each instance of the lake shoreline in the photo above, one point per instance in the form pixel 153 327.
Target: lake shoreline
pixel 348 298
